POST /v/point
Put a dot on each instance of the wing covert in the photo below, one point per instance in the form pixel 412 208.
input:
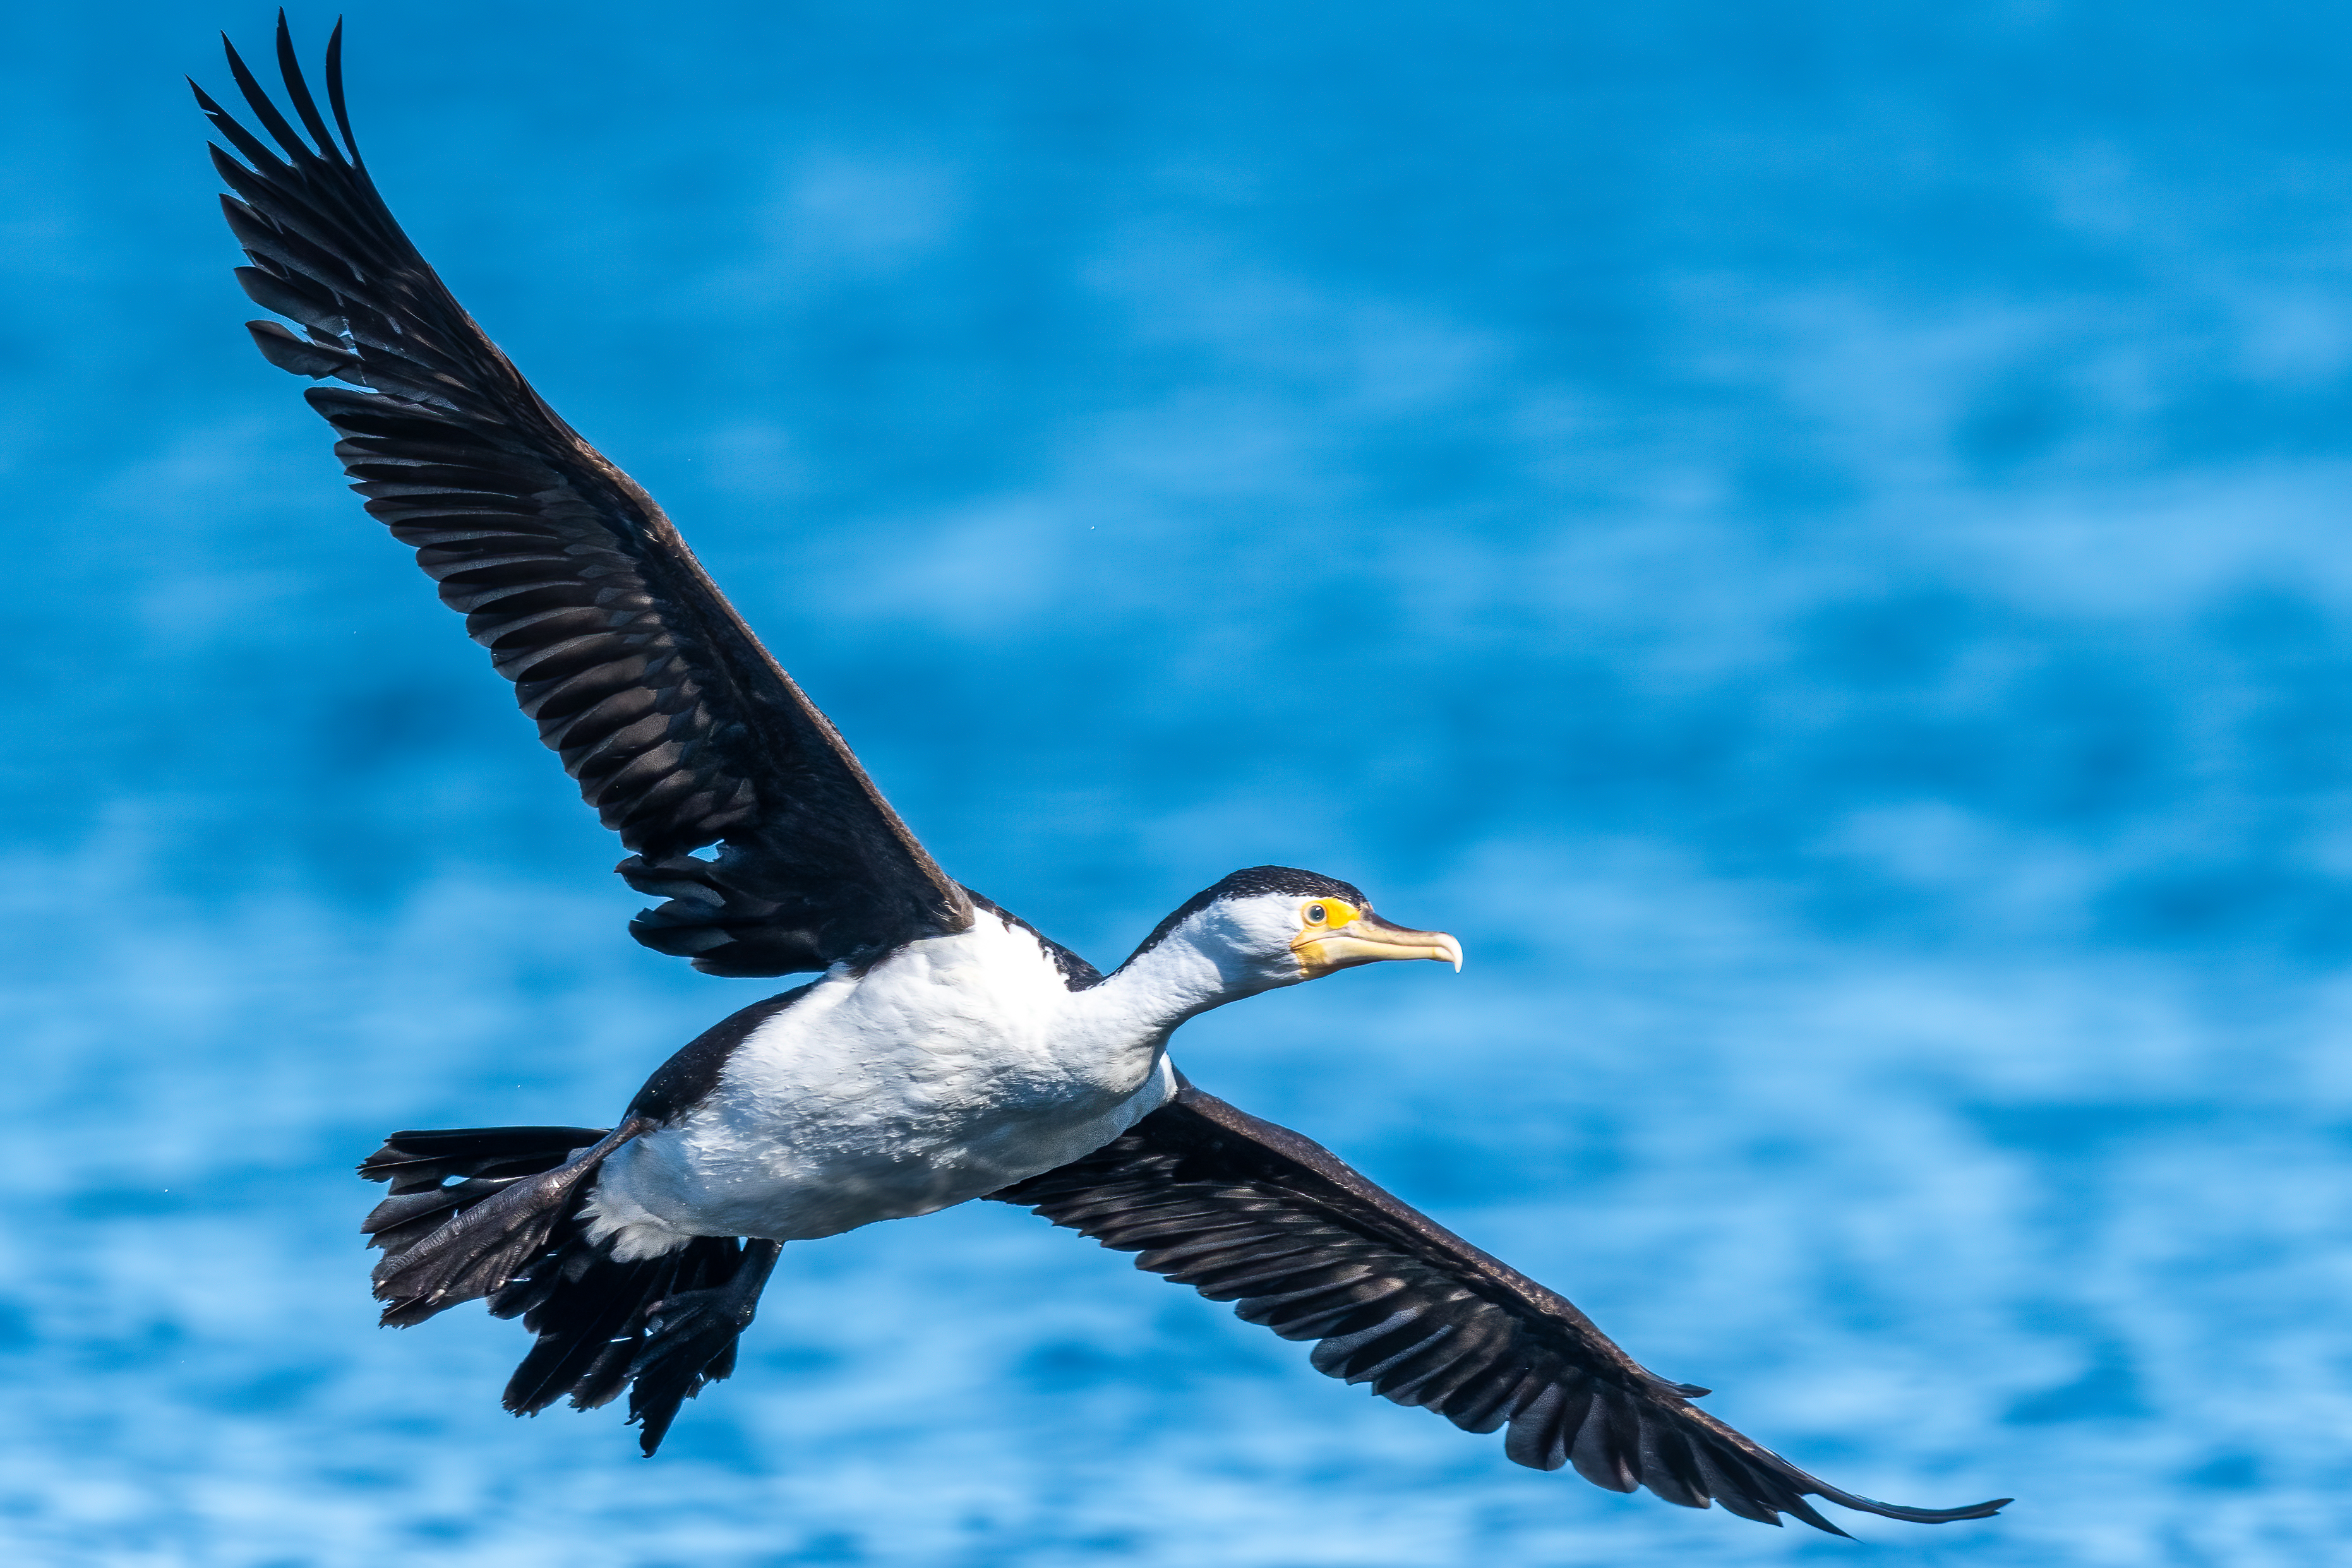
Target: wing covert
pixel 1247 1212
pixel 679 727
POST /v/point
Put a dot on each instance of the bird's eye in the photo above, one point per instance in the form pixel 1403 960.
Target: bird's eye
pixel 1317 915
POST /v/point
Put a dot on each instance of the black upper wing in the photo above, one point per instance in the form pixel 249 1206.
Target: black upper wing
pixel 679 727
pixel 1245 1211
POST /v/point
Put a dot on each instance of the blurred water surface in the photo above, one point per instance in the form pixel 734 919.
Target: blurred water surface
pixel 1811 537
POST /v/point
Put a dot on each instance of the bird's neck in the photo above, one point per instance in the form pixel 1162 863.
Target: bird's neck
pixel 1176 978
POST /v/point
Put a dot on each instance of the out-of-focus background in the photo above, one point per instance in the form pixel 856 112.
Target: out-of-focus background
pixel 1813 536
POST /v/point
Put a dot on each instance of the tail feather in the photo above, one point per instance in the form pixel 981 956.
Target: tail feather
pixel 663 1328
pixel 496 1225
pixel 491 1212
pixel 691 1337
pixel 588 1315
pixel 414 1161
pixel 436 1174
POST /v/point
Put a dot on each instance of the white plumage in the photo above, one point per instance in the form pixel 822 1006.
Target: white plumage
pixel 951 1068
pixel 948 1052
pixel 956 1066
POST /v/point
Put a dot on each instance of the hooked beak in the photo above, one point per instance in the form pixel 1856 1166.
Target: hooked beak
pixel 1369 939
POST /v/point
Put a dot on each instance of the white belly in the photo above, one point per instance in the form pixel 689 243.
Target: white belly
pixel 957 1066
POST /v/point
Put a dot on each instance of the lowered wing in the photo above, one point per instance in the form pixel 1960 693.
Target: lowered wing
pixel 679 727
pixel 1247 1212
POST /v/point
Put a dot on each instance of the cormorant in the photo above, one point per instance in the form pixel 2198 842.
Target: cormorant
pixel 947 1050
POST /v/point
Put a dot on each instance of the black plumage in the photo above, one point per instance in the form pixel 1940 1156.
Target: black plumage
pixel 678 727
pixel 684 733
pixel 1247 1212
pixel 693 1071
pixel 664 1328
pixel 1250 881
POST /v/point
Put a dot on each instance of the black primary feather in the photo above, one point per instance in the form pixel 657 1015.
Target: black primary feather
pixel 680 729
pixel 1247 1212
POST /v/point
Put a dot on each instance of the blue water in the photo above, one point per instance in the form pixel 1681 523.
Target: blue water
pixel 1812 537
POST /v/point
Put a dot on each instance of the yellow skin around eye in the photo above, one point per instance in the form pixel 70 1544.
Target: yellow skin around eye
pixel 1346 936
pixel 1336 914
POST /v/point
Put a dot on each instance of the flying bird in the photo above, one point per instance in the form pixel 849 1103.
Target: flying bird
pixel 948 1050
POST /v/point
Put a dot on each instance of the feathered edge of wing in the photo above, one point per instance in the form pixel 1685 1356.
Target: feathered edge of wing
pixel 1248 1212
pixel 679 727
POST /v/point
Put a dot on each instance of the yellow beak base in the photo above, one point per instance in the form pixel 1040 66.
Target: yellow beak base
pixel 1369 939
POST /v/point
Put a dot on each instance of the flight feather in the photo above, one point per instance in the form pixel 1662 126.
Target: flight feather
pixel 1245 1211
pixel 678 727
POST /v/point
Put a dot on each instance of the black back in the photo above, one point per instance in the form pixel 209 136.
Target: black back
pixel 687 1079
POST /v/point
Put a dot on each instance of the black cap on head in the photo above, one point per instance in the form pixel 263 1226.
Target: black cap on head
pixel 1251 881
pixel 1261 879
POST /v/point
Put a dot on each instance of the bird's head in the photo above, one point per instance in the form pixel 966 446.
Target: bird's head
pixel 1273 925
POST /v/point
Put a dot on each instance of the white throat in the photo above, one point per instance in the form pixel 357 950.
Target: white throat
pixel 1199 965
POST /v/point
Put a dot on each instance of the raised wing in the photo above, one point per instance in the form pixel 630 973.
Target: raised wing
pixel 1247 1212
pixel 680 729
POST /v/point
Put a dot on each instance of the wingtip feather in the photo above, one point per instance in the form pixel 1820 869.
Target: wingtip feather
pixel 289 66
pixel 335 92
pixel 264 110
pixel 1912 1515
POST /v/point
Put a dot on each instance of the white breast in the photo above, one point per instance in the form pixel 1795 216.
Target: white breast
pixel 956 1066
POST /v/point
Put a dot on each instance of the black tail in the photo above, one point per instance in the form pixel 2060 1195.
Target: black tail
pixel 490 1211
